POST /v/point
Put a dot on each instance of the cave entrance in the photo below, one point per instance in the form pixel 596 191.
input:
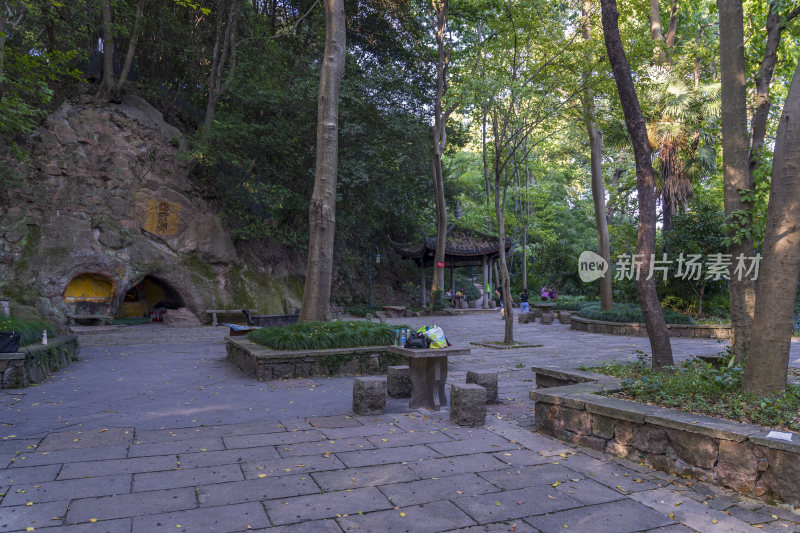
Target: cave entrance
pixel 90 294
pixel 149 299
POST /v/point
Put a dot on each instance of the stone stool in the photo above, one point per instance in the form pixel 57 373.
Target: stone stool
pixel 369 395
pixel 525 318
pixel 547 318
pixel 537 312
pixel 564 317
pixel 487 380
pixel 467 405
pixel 398 382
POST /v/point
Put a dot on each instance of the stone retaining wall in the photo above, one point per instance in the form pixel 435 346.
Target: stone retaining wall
pixel 734 455
pixel 265 364
pixel 636 329
pixel 35 363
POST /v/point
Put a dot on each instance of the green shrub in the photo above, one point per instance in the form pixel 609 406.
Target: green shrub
pixel 628 313
pixel 438 301
pixel 360 310
pixel 30 331
pixel 718 305
pixel 679 304
pixel 471 293
pixel 699 387
pixel 571 303
pixel 325 335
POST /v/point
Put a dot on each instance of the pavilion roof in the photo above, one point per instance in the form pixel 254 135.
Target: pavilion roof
pixel 459 242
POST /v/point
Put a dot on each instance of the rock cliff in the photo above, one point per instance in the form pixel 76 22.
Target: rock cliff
pixel 108 203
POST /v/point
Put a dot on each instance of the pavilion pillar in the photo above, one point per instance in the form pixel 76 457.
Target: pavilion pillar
pixel 485 266
pixel 423 290
pixel 453 281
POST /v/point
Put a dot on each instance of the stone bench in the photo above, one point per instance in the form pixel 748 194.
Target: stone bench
pixel 487 380
pixel 467 405
pixel 271 321
pixel 215 312
pixel 369 395
pixel 398 382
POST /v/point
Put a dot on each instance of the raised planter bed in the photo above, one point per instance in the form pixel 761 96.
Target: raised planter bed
pixel 730 454
pixel 637 329
pixel 265 364
pixel 35 363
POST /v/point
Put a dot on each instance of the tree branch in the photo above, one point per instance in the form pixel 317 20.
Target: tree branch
pixel 285 33
pixel 791 14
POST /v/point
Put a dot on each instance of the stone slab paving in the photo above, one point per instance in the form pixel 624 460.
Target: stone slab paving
pixel 154 431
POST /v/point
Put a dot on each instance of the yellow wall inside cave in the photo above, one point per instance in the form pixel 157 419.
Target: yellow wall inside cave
pixel 141 299
pixel 89 288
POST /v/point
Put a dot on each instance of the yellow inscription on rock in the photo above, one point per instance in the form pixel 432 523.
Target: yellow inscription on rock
pixel 162 217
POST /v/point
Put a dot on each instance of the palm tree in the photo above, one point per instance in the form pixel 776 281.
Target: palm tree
pixel 679 120
pixel 679 127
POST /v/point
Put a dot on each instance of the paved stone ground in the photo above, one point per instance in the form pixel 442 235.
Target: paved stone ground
pixel 153 430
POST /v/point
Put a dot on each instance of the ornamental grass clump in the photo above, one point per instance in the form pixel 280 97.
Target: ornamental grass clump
pixel 704 388
pixel 30 331
pixel 325 335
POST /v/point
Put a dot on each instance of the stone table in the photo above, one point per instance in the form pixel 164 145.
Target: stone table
pixel 546 307
pixel 428 370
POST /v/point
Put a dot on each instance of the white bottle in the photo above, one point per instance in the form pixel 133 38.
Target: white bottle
pixel 44 336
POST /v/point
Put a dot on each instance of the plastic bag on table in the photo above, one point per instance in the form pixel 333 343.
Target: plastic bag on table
pixel 436 336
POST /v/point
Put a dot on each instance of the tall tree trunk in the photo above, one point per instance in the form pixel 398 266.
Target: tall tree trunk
pixel 499 211
pixel 775 25
pixel 502 280
pixel 655 31
pixel 222 56
pixel 126 67
pixel 634 121
pixel 107 82
pixel 663 52
pixel 596 155
pixel 525 228
pixel 766 368
pixel 322 209
pixel 440 8
pixel 2 51
pixel 668 208
pixel 672 27
pixel 487 180
pixel 735 162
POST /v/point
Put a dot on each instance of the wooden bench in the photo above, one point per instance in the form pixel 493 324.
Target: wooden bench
pixel 215 312
pixel 103 319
